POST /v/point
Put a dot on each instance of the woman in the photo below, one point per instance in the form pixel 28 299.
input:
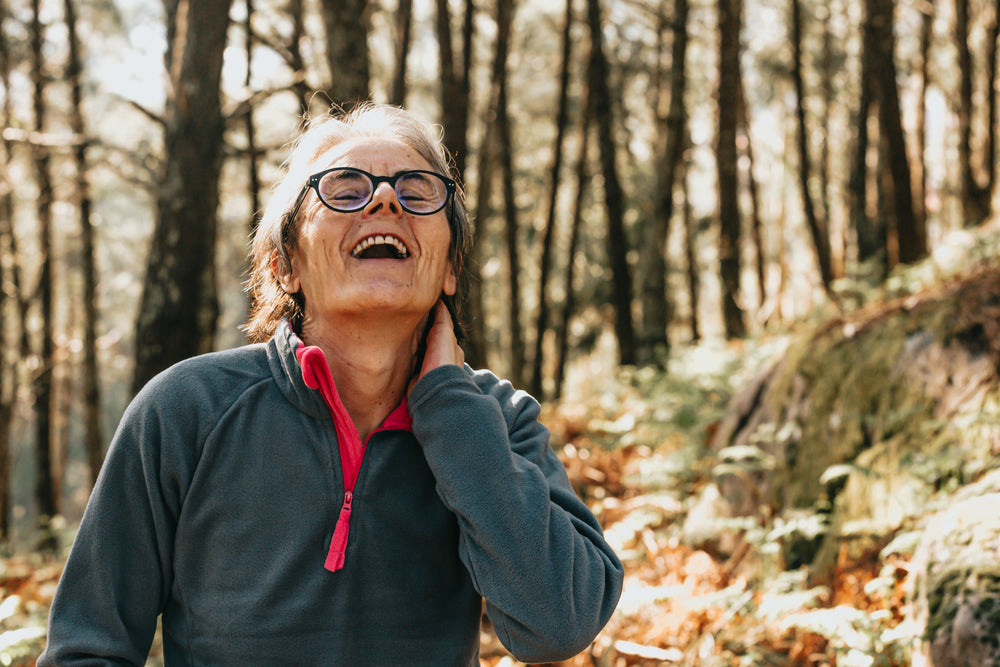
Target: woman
pixel 345 491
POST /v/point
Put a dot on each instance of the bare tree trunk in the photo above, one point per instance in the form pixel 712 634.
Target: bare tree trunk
pixel 295 60
pixel 46 491
pixel 912 245
pixel 730 19
pixel 989 157
pixel 871 235
pixel 614 199
pixel 691 250
pixel 756 224
pixel 562 120
pixel 253 154
pixel 817 228
pixel 505 17
pixel 973 193
pixel 9 288
pixel 455 84
pixel 347 27
pixel 926 34
pixel 569 303
pixel 179 302
pixel 93 438
pixel 404 24
pixel 656 308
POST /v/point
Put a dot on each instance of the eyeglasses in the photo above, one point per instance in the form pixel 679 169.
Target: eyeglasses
pixel 346 190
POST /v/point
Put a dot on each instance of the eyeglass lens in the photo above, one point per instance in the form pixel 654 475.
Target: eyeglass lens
pixel 348 190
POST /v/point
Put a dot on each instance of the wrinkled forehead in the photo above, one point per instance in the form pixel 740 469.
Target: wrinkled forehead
pixel 382 156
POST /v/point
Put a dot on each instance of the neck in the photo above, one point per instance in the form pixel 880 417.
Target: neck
pixel 371 363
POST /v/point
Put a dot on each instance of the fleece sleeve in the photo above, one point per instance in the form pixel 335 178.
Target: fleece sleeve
pixel 117 576
pixel 534 551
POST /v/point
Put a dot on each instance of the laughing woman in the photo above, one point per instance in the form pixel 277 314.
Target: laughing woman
pixel 345 491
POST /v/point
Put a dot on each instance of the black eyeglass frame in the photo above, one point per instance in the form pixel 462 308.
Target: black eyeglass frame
pixel 313 182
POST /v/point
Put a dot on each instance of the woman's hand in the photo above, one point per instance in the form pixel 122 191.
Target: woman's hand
pixel 442 345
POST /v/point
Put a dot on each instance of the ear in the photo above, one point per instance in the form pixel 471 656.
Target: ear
pixel 450 282
pixel 285 274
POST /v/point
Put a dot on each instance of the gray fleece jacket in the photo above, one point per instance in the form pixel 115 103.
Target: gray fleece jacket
pixel 222 503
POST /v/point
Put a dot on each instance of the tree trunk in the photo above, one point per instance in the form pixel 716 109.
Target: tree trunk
pixel 926 35
pixel 871 237
pixel 295 60
pixel 179 301
pixel 569 303
pixel 656 308
pixel 505 17
pixel 454 88
pixel 756 224
pixel 253 154
pixel 730 262
pixel 911 242
pixel 691 250
pixel 9 288
pixel 404 24
pixel 817 228
pixel 973 193
pixel 346 24
pixel 46 492
pixel 614 199
pixel 545 261
pixel 93 438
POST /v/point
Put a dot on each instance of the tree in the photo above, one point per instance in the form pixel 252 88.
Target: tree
pixel 404 30
pixel 817 228
pixel 730 19
pixel 346 24
pixel 910 238
pixel 614 198
pixel 93 438
pixel 455 82
pixel 179 303
pixel 9 288
pixel 655 299
pixel 46 491
pixel 569 303
pixel 545 260
pixel 976 184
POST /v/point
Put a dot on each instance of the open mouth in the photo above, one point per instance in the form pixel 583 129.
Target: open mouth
pixel 380 247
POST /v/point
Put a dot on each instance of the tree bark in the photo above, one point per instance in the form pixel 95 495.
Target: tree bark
pixel 93 438
pixel 404 25
pixel 179 302
pixel 505 17
pixel 656 300
pixel 346 23
pixel 871 232
pixel 756 224
pixel 253 155
pixel 817 228
pixel 614 199
pixel 569 303
pixel 730 264
pixel 911 243
pixel 455 85
pixel 9 289
pixel 545 261
pixel 46 491
pixel 974 194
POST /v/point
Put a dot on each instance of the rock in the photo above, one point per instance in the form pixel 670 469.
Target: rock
pixel 956 586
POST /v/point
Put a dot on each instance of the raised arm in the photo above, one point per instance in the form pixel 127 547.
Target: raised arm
pixel 534 550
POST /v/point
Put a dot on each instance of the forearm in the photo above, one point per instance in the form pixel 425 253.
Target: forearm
pixel 533 549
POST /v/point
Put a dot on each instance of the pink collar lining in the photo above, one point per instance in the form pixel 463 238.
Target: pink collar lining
pixel 316 374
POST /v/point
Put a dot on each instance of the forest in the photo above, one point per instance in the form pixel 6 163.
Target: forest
pixel 743 251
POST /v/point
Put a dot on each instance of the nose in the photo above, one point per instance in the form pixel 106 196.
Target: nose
pixel 384 196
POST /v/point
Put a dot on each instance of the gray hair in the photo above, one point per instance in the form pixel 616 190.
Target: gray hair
pixel 278 228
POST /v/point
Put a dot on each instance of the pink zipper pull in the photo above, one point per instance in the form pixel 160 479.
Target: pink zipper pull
pixel 338 545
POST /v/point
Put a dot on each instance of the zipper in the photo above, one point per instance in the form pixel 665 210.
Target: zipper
pixel 316 374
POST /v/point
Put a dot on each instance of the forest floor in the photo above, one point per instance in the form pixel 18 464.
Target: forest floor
pixel 637 447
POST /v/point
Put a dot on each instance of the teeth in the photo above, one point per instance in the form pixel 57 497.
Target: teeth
pixel 379 239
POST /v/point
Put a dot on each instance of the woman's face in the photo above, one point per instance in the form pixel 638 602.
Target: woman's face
pixel 332 261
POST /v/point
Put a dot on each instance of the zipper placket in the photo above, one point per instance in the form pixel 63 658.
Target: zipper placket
pixel 316 374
